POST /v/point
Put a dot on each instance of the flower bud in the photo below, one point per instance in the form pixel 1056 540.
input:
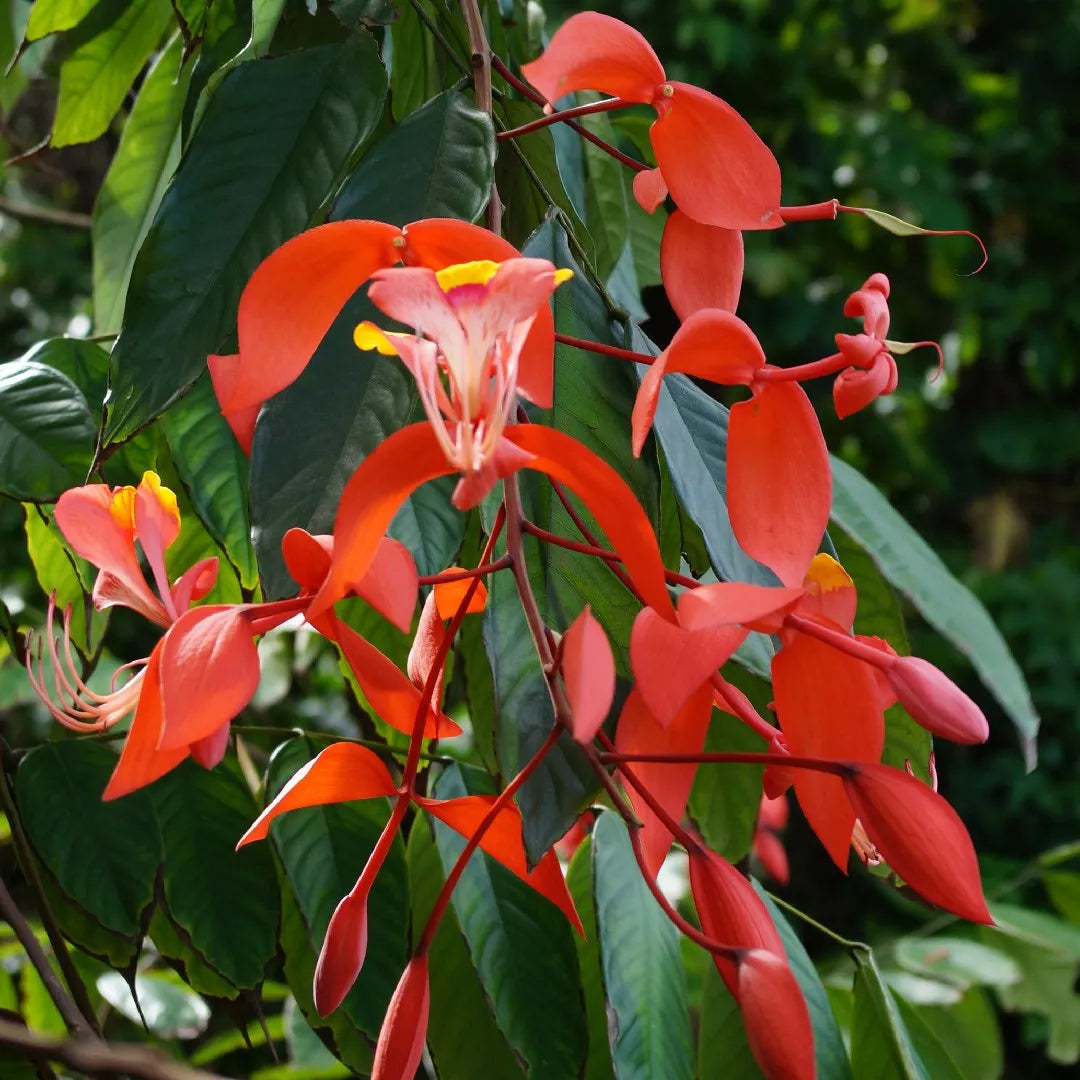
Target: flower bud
pixel 936 702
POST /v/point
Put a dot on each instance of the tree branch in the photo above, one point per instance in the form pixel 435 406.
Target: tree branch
pixel 481 64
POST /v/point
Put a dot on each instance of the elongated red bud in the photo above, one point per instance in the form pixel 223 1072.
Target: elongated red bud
pixel 936 702
pixel 401 1039
pixel 343 949
pixel 774 1012
pixel 588 669
pixel 425 649
pixel 920 836
pixel 730 911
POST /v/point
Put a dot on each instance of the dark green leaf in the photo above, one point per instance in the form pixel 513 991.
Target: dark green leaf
pixel 83 362
pixel 914 568
pixel 521 945
pixel 579 881
pixel 224 900
pixel 415 69
pixel 173 944
pixel 606 211
pixel 104 855
pixel 135 183
pixel 458 1003
pixel 643 973
pixel 214 472
pixel 265 157
pixel 323 849
pixel 449 145
pixel 357 13
pixel 970 1032
pixel 723 1049
pixel 47 432
pixel 113 44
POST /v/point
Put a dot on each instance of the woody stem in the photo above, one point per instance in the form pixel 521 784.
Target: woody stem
pixel 481 65
pixel 437 912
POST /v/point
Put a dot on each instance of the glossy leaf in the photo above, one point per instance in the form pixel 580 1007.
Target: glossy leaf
pixel 643 972
pixel 47 432
pixel 85 363
pixel 914 568
pixel 450 147
pixel 135 183
pixel 233 924
pixel 52 16
pixel 214 472
pixel 512 933
pixel 265 156
pixel 170 941
pixel 111 47
pixel 105 856
pixel 458 1003
pixel 322 850
pixel 723 1049
pixel 414 70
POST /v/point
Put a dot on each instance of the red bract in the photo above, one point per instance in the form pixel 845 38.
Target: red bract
pixel 299 289
pixel 774 1012
pixel 768 847
pixel 711 160
pixel 920 836
pixel 701 265
pixel 404 1028
pixel 588 670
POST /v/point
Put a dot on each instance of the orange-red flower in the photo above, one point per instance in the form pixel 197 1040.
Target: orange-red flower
pixel 715 166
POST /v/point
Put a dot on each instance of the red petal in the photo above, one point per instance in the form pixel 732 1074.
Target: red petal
pixel 401 1038
pixel 209 672
pixel 830 593
pixel 588 670
pixel 854 388
pixel 827 704
pixel 224 372
pixel 502 841
pixel 425 649
pixel 391 583
pixel 730 911
pixel 440 242
pixel 449 595
pixel 639 732
pixel 307 557
pixel 936 702
pixel 776 1018
pixel 735 602
pixel 194 583
pixel 871 301
pixel 649 189
pixel 701 265
pixel 779 484
pixel 474 486
pixel 292 298
pixel 641 420
pixel 340 773
pixel 773 813
pixel 717 346
pixel 716 167
pixel 343 949
pixel 770 852
pixel 385 479
pixel 920 836
pixel 611 502
pixel 388 691
pixel 666 686
pixel 591 51
pixel 210 751
pixel 141 762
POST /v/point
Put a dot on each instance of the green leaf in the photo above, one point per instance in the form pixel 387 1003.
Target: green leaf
pixel 323 849
pixel 606 211
pixel 172 943
pixel 266 156
pixel 1063 889
pixel 970 1031
pixel 83 362
pixel 112 46
pixel 214 472
pixel 914 568
pixel 357 13
pixel 1037 927
pixel 415 75
pixel 598 1065
pixel 724 800
pixel 643 971
pixel 104 855
pixel 829 1053
pixel 458 1003
pixel 723 1049
pixel 521 945
pixel 51 16
pixel 449 145
pixel 957 960
pixel 47 432
pixel 135 183
pixel 224 900
pixel 170 1011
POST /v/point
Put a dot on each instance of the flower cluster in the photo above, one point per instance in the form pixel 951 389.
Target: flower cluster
pixel 483 336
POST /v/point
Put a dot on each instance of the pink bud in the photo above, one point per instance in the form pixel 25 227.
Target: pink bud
pixel 343 950
pixel 936 702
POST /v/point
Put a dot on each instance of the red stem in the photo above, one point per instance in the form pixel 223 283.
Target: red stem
pixel 437 912
pixel 412 762
pixel 740 705
pixel 822 211
pixel 606 105
pixel 828 365
pixel 844 642
pixel 461 575
pixel 834 768
pixel 604 350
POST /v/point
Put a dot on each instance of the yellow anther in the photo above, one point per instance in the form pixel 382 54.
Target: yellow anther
pixel 563 275
pixel 470 273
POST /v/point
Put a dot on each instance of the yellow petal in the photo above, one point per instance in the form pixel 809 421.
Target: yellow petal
pixel 827 574
pixel 166 497
pixel 368 336
pixel 122 507
pixel 470 273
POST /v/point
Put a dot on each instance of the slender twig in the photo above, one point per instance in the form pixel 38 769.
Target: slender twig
pixel 44 214
pixel 97 1058
pixel 605 350
pixel 481 66
pixel 29 868
pixel 433 29
pixel 463 575
pixel 606 105
pixel 835 768
pixel 821 928
pixel 73 1019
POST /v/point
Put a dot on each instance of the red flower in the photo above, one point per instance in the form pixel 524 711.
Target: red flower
pixel 711 160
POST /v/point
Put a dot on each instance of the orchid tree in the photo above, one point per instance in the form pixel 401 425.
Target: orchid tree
pixel 368 394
